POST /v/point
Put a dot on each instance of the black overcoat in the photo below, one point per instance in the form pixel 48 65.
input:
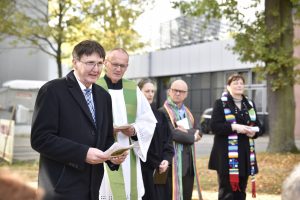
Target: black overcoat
pixel 221 129
pixel 62 132
pixel 161 148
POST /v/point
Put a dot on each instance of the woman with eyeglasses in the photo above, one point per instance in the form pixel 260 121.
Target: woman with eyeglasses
pixel 160 152
pixel 235 124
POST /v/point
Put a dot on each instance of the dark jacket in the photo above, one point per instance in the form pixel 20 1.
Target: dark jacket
pixel 161 148
pixel 187 139
pixel 221 129
pixel 62 132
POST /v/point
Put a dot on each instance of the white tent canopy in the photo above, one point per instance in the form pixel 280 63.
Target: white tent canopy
pixel 23 84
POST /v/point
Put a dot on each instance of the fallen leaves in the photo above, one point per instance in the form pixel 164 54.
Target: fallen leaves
pixel 273 169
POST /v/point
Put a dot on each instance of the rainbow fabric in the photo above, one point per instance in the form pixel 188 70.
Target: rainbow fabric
pixel 233 148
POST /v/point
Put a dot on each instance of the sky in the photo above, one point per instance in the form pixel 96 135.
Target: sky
pixel 148 23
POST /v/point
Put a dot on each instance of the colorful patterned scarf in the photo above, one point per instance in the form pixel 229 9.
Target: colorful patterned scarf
pixel 233 148
pixel 177 191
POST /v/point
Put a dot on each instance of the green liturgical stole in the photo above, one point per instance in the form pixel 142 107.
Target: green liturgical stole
pixel 116 177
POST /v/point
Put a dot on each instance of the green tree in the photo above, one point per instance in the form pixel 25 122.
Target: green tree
pixel 268 43
pixel 7 7
pixel 115 19
pixel 54 26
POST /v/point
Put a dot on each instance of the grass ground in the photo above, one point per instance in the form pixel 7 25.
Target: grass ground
pixel 274 168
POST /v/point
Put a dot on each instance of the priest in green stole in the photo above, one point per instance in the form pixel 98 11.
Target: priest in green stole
pixel 132 111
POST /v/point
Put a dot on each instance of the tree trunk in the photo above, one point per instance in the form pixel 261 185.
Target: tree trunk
pixel 281 108
pixel 297 85
pixel 58 61
pixel 281 105
pixel 59 67
pixel 59 39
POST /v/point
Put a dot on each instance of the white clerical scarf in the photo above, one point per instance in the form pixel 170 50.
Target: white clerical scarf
pixel 144 125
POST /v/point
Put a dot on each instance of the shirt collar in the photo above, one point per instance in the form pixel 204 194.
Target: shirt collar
pixel 115 86
pixel 82 87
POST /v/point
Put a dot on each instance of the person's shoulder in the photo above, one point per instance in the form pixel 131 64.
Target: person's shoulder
pixel 218 103
pixel 155 110
pixel 54 84
pixel 162 109
pixel 160 112
pixel 101 90
pixel 129 82
pixel 218 100
pixel 185 106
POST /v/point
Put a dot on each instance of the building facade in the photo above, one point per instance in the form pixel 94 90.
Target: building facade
pixel 205 67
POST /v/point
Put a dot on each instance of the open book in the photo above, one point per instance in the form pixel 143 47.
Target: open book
pixel 117 149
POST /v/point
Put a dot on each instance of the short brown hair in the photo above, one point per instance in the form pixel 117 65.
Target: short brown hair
pixel 235 77
pixel 88 47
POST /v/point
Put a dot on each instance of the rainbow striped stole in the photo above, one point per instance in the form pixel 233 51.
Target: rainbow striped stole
pixel 233 148
pixel 177 189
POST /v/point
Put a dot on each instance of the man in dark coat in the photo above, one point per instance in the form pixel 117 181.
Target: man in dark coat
pixel 185 135
pixel 72 126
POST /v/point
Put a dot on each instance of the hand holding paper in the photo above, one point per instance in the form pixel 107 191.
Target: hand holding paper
pixel 183 123
pixel 255 128
pixel 117 149
pixel 96 156
pixel 126 126
pixel 126 129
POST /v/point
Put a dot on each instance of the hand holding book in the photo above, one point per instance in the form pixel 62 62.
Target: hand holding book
pixel 117 149
pixel 160 178
pixel 126 129
pixel 161 173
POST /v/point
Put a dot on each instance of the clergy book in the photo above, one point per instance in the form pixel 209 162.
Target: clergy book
pixel 117 149
pixel 160 178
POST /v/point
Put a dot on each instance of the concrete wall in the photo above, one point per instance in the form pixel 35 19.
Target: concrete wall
pixel 22 63
pixel 198 58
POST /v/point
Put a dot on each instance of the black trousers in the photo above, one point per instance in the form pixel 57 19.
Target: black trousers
pixel 187 187
pixel 225 191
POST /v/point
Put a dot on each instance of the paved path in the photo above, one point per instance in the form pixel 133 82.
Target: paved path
pixel 23 150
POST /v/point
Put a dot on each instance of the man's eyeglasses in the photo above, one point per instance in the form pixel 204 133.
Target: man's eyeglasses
pixel 116 65
pixel 178 91
pixel 91 64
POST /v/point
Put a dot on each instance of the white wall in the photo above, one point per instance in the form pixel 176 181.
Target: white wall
pixel 22 62
pixel 197 58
